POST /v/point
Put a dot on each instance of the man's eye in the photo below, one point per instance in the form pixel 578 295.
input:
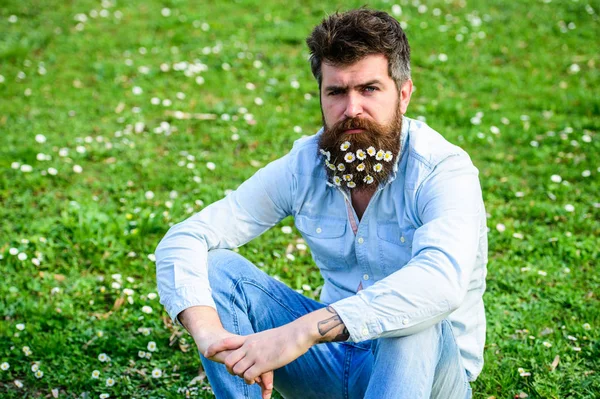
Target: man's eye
pixel 334 92
pixel 370 89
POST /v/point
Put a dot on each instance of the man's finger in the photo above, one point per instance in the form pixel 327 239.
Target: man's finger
pixel 252 372
pixel 266 384
pixel 232 359
pixel 225 344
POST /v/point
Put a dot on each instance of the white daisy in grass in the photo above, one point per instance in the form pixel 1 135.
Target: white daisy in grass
pixel 329 165
pixel 337 180
pixel 348 177
pixel 351 184
pixel 380 155
pixel 141 354
pixel 360 167
pixel 349 157
pixel 157 373
pixel 39 374
pixel 371 151
pixel 104 396
pixel 341 167
pixel 95 374
pixel 110 382
pixel 103 357
pixel 35 367
pixel 368 179
pixel 378 167
pixel 18 384
pixel 387 157
pixel 360 154
pixel 4 366
pixel 151 346
pixel 345 145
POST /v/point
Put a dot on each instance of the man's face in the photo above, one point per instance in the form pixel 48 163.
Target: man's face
pixel 362 116
pixel 362 90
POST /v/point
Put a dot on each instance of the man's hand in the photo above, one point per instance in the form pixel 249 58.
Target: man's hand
pixel 204 325
pixel 255 354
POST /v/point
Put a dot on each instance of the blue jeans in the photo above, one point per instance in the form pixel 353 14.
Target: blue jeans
pixel 422 365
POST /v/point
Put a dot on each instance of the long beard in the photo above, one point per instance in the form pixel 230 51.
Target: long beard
pixel 360 161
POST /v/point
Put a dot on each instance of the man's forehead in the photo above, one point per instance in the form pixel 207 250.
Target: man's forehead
pixel 369 68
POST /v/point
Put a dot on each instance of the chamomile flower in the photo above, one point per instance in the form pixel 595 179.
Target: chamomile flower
pixel 39 374
pixel 371 151
pixel 360 167
pixel 151 346
pixel 378 167
pixel 330 165
pixel 368 179
pixel 141 354
pixel 387 157
pixel 345 145
pixel 348 177
pixel 18 384
pixel 360 154
pixel 157 373
pixel 104 396
pixel 103 357
pixel 95 374
pixel 349 157
pixel 351 184
pixel 380 155
pixel 35 367
pixel 4 366
pixel 341 167
pixel 110 382
pixel 337 181
pixel 327 154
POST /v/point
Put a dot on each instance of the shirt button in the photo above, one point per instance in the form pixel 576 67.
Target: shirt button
pixel 365 331
pixel 361 240
pixel 319 230
pixel 405 321
pixel 402 239
pixel 365 276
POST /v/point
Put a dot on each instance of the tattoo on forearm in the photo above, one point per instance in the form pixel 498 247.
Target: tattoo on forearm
pixel 333 328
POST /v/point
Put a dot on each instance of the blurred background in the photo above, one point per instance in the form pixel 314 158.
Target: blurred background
pixel 119 119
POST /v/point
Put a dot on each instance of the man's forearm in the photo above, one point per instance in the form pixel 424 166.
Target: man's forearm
pixel 323 325
pixel 203 324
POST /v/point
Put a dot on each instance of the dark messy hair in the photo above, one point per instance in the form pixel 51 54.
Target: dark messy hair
pixel 343 39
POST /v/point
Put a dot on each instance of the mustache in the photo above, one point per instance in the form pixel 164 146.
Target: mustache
pixel 354 123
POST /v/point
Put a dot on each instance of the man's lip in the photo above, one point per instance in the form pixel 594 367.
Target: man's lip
pixel 354 131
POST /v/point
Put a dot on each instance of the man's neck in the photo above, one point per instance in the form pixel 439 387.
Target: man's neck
pixel 360 200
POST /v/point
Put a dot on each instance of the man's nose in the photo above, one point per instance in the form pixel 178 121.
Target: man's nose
pixel 353 106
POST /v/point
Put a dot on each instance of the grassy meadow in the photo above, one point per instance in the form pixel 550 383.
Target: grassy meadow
pixel 119 119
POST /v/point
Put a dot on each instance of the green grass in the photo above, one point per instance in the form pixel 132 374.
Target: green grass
pixel 530 67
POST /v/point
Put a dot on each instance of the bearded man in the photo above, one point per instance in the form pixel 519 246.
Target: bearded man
pixel 394 217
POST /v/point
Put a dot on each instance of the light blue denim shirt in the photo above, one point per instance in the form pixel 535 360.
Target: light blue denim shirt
pixel 419 254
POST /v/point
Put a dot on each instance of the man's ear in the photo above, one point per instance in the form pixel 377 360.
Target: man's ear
pixel 405 92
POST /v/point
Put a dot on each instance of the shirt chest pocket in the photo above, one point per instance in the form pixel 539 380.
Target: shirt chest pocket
pixel 395 246
pixel 325 237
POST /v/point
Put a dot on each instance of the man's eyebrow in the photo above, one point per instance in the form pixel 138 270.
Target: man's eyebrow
pixel 361 85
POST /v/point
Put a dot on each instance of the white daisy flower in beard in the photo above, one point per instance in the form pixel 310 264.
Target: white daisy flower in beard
pixel 371 151
pixel 349 157
pixel 341 167
pixel 348 177
pixel 326 154
pixel 378 167
pixel 337 181
pixel 351 184
pixel 380 155
pixel 360 154
pixel 330 165
pixel 345 145
pixel 388 156
pixel 368 179
pixel 360 167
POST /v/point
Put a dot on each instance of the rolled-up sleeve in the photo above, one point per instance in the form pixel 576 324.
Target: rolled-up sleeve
pixel 181 257
pixel 449 206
